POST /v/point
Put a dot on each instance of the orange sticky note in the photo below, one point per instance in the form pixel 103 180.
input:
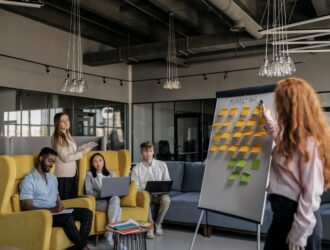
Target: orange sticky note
pixel 223 112
pixel 233 148
pixel 260 133
pixel 225 135
pixel 240 123
pixel 216 136
pixel 226 124
pixel 257 111
pixel 248 133
pixel 214 148
pixel 245 148
pixel 256 149
pixel 223 147
pixel 233 111
pixel 238 134
pixel 217 124
pixel 261 121
pixel 250 123
pixel 245 111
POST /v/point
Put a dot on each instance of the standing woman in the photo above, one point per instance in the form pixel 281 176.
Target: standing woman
pixel 66 167
pixel 300 168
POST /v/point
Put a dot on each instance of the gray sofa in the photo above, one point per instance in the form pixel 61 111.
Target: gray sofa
pixel 187 181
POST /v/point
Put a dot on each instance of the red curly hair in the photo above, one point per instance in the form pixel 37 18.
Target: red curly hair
pixel 300 116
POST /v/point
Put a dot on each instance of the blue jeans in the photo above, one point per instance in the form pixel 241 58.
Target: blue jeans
pixel 283 216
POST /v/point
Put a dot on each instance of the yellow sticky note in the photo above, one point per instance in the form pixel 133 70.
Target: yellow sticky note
pixel 214 148
pixel 250 123
pixel 245 111
pixel 240 123
pixel 223 112
pixel 257 111
pixel 216 136
pixel 226 124
pixel 233 148
pixel 238 134
pixel 217 124
pixel 225 135
pixel 223 147
pixel 260 133
pixel 248 133
pixel 245 148
pixel 233 111
pixel 256 149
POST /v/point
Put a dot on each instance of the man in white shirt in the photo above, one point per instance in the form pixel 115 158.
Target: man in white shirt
pixel 152 170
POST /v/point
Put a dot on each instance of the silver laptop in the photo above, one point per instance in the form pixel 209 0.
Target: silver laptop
pixel 115 186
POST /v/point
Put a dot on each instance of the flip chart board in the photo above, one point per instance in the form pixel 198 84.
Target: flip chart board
pixel 236 172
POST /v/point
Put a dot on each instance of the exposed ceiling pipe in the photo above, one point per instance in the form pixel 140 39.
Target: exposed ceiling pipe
pixel 233 11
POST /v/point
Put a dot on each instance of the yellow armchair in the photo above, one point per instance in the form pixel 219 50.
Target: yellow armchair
pixel 120 163
pixel 28 230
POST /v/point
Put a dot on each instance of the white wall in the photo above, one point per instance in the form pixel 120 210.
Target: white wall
pixel 24 38
pixel 314 69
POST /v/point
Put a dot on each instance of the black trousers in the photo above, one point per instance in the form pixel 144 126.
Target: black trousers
pixel 283 216
pixel 67 222
pixel 67 187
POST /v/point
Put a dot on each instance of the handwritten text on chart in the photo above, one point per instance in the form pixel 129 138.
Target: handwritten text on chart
pixel 244 100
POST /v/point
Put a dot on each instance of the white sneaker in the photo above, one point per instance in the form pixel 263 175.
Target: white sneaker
pixel 159 230
pixel 122 247
pixel 150 233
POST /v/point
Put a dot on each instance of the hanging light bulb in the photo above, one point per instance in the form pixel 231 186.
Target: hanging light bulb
pixel 77 80
pixel 172 79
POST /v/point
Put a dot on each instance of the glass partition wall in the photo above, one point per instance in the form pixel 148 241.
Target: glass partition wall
pixel 30 113
pixel 179 130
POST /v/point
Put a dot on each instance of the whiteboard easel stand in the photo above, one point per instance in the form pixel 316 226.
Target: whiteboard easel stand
pixel 199 223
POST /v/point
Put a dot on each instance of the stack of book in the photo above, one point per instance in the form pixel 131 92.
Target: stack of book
pixel 126 227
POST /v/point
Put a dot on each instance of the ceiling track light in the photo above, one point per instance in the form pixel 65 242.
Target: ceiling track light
pixel 47 69
pixel 225 75
pixel 158 81
pixel 121 83
pixel 205 77
pixel 104 80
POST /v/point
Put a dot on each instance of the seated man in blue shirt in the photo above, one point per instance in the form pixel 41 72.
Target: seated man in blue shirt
pixel 40 191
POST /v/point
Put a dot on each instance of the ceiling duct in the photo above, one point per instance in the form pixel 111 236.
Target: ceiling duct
pixel 23 3
pixel 234 12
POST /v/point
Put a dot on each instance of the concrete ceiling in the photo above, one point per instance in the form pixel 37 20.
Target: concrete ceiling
pixel 138 29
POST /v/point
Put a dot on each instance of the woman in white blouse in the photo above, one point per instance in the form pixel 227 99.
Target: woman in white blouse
pixel 66 167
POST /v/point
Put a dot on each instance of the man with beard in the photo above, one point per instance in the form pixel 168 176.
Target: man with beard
pixel 39 190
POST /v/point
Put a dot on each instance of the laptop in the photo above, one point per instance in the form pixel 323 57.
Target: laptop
pixel 159 187
pixel 115 186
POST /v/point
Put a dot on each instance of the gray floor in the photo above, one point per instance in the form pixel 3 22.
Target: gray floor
pixel 180 239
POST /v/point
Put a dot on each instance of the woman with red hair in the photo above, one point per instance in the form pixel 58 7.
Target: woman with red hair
pixel 300 168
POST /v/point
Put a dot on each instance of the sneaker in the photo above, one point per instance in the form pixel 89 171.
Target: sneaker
pixel 159 230
pixel 122 247
pixel 150 234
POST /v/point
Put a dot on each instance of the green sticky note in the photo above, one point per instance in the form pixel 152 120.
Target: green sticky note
pixel 245 177
pixel 241 163
pixel 233 176
pixel 232 162
pixel 256 165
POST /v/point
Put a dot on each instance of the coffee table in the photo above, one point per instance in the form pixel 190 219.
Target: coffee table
pixel 133 241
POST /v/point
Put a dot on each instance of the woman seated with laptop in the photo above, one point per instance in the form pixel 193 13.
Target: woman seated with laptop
pixel 93 186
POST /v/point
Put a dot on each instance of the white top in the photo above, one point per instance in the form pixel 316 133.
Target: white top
pixel 142 173
pixel 65 163
pixel 100 176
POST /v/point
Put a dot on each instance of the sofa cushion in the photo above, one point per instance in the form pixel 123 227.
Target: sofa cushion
pixel 176 170
pixel 326 197
pixel 193 177
pixel 130 199
pixel 174 193
pixel 191 197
